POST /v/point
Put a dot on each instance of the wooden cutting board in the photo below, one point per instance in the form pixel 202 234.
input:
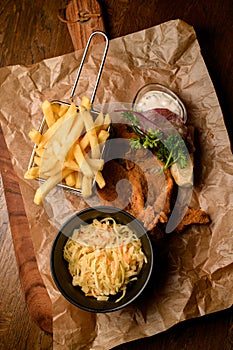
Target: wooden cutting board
pixel 82 17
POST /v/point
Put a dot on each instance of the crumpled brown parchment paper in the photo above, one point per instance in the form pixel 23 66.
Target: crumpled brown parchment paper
pixel 193 272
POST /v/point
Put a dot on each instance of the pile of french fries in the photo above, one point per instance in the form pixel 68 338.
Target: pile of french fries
pixel 69 151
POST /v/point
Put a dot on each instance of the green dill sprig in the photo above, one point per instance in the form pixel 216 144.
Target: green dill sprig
pixel 134 121
pixel 170 149
pixel 173 150
pixel 150 140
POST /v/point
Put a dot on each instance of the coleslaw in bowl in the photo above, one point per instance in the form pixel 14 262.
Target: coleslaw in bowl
pixel 101 259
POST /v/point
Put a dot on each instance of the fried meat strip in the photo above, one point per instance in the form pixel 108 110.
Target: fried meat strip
pixel 193 216
pixel 117 191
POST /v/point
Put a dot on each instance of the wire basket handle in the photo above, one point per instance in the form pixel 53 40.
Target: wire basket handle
pixel 82 63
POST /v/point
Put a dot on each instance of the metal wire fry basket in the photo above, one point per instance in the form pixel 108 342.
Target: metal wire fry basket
pixel 94 113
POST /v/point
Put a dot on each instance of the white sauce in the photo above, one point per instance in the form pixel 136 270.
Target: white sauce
pixel 159 99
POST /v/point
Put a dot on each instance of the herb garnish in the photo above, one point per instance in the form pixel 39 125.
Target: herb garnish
pixel 170 148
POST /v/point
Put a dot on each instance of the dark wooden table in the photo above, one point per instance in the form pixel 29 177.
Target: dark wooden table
pixel 30 32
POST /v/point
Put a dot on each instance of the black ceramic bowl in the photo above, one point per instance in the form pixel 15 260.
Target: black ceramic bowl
pixel 59 266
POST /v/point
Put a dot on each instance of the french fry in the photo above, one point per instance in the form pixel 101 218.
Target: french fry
pixel 50 132
pixel 100 180
pixel 32 173
pixel 46 187
pixel 82 162
pixel 103 136
pixel 37 160
pixel 95 164
pixel 72 164
pixel 62 110
pixel 71 112
pixel 39 151
pixel 86 103
pixel 70 180
pixel 87 186
pixel 91 132
pixel 50 171
pixel 101 125
pixel 70 154
pixel 74 133
pixel 72 109
pixel 48 113
pixel 66 135
pixel 56 148
pixel 98 123
pixel 78 178
pixel 93 139
pixel 35 136
pixel 55 108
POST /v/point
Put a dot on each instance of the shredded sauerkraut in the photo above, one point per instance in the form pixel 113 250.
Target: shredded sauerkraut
pixel 104 257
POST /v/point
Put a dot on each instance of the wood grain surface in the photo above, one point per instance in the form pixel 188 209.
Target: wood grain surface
pixel 30 32
pixel 80 28
pixel 35 293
